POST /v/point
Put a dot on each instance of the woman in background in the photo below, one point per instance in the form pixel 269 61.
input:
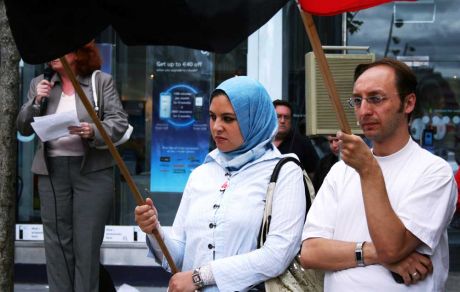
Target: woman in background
pixel 75 180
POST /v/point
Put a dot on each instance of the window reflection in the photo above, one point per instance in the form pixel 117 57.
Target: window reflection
pixel 133 75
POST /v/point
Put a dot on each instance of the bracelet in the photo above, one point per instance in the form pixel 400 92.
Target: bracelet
pixel 359 254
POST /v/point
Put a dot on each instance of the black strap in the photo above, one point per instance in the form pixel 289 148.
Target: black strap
pixel 276 172
pixel 283 161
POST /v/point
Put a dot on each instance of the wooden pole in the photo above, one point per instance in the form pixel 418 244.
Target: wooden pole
pixel 325 71
pixel 113 150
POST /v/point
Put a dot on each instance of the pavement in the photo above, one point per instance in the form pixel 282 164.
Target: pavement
pixel 123 288
pixel 30 278
pixel 453 282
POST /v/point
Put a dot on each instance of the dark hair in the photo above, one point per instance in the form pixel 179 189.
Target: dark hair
pixel 88 59
pixel 217 92
pixel 406 81
pixel 283 103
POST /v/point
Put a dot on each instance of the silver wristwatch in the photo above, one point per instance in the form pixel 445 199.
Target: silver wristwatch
pixel 196 278
pixel 359 254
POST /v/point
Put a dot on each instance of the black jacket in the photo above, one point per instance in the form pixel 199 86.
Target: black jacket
pixel 323 168
pixel 302 147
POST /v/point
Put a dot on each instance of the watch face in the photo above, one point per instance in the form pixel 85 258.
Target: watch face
pixel 359 254
pixel 196 278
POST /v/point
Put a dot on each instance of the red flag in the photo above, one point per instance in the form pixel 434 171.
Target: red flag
pixel 333 7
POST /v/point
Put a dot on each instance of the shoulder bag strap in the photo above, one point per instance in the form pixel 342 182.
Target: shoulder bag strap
pixel 269 197
pixel 309 195
pixel 95 92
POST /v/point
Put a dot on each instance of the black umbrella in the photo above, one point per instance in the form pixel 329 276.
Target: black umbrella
pixel 48 29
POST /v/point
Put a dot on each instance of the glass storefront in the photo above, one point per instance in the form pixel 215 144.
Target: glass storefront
pixel 134 70
pixel 143 75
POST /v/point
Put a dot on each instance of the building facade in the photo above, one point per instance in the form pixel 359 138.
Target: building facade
pixel 150 80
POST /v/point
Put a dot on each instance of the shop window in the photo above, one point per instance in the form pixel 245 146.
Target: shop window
pixel 133 71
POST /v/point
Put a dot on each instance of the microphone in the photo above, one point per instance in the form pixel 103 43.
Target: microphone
pixel 47 75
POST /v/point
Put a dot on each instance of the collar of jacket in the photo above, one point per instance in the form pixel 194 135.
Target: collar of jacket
pixel 215 156
pixel 83 80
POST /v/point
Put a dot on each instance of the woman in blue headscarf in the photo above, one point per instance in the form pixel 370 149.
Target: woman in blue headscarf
pixel 214 236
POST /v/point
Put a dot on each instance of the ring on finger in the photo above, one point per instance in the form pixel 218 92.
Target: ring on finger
pixel 415 276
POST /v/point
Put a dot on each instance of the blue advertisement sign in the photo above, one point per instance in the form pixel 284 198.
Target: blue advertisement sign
pixel 182 83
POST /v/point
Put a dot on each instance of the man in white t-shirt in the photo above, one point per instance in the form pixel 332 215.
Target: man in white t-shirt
pixel 384 209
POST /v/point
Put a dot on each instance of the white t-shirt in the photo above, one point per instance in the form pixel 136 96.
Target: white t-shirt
pixel 422 191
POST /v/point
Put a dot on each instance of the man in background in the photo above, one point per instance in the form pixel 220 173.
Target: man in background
pixel 326 162
pixel 289 140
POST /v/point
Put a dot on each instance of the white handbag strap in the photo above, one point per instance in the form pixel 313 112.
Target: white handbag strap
pixel 271 189
pixel 93 84
pixel 267 212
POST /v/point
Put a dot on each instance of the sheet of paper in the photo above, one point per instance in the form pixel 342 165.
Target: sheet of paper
pixel 54 126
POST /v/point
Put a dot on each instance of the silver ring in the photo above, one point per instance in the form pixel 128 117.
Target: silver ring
pixel 414 275
pixel 81 132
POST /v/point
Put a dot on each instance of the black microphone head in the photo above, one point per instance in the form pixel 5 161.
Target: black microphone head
pixel 48 73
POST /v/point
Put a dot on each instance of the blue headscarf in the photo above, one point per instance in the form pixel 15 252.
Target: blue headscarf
pixel 256 118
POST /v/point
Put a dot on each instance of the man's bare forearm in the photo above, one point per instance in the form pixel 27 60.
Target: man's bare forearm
pixel 333 255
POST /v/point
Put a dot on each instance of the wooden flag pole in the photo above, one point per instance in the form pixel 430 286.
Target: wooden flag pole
pixel 325 71
pixel 113 150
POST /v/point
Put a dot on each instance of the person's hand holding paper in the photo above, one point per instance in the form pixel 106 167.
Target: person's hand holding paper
pixel 54 126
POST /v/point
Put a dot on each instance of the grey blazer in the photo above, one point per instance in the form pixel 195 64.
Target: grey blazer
pixel 114 120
